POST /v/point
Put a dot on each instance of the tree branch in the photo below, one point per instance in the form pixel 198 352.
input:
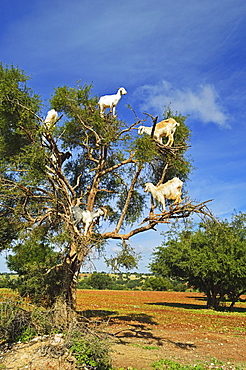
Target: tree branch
pixel 174 213
pixel 128 160
pixel 128 199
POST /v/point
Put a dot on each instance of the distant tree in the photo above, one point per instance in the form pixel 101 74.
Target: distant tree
pixel 109 165
pixel 211 257
pixel 157 284
pixel 99 280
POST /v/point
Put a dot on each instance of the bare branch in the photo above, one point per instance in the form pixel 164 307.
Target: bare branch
pixel 163 174
pixel 98 139
pixel 77 183
pixel 128 129
pixel 174 213
pixel 128 160
pixel 128 199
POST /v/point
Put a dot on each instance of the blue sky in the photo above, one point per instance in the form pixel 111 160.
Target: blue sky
pixel 190 53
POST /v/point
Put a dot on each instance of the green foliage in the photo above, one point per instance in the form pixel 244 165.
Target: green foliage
pixel 13 88
pixel 31 259
pixel 108 167
pixel 135 208
pixel 212 258
pixel 6 281
pixel 157 284
pixel 166 364
pixel 129 281
pixel 145 149
pixel 125 258
pixel 99 280
pixel 90 351
pixel 26 335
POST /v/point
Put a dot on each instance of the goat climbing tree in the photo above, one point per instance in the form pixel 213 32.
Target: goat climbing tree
pixel 107 166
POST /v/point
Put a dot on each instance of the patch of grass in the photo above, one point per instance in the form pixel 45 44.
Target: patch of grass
pixel 172 365
pixel 28 334
pixel 145 347
pixel 150 347
pixel 166 364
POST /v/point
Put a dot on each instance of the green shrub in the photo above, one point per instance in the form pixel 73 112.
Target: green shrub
pixel 157 284
pixel 90 351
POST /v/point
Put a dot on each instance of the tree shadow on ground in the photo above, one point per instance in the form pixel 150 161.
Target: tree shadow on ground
pixel 189 306
pixel 133 325
pixel 115 317
pixel 137 331
pixel 96 313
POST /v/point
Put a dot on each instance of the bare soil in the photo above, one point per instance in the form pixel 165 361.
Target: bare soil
pixel 143 328
pixel 139 346
pixel 135 346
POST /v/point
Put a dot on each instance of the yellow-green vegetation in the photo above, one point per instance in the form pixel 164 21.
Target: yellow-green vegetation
pixel 129 281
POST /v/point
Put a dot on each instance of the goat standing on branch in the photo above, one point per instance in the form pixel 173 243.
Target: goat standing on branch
pixel 51 118
pixel 166 128
pixel 172 190
pixel 87 217
pixel 110 101
pixel 49 122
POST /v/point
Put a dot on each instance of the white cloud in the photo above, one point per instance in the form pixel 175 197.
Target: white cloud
pixel 202 103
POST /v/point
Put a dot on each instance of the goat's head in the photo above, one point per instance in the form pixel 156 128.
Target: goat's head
pixel 174 122
pixel 122 91
pixel 147 187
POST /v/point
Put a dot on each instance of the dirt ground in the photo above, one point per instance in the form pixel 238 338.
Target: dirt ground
pixel 138 347
pixel 134 346
pixel 143 328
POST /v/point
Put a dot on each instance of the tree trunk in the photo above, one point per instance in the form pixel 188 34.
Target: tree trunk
pixel 70 273
pixel 70 279
pixel 212 300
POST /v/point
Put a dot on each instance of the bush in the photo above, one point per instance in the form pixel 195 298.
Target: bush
pixel 90 351
pixel 157 283
pixel 5 282
pixel 13 321
pixel 97 280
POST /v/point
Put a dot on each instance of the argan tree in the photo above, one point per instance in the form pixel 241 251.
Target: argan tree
pixel 108 167
pixel 210 256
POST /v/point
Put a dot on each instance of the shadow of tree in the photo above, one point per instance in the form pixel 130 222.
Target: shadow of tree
pixel 192 306
pixel 114 316
pixel 189 306
pixel 97 313
pixel 139 317
pixel 134 325
pixel 137 331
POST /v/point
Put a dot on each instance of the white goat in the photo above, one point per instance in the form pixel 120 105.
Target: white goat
pixel 166 128
pixel 87 217
pixel 110 101
pixel 172 190
pixel 51 118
